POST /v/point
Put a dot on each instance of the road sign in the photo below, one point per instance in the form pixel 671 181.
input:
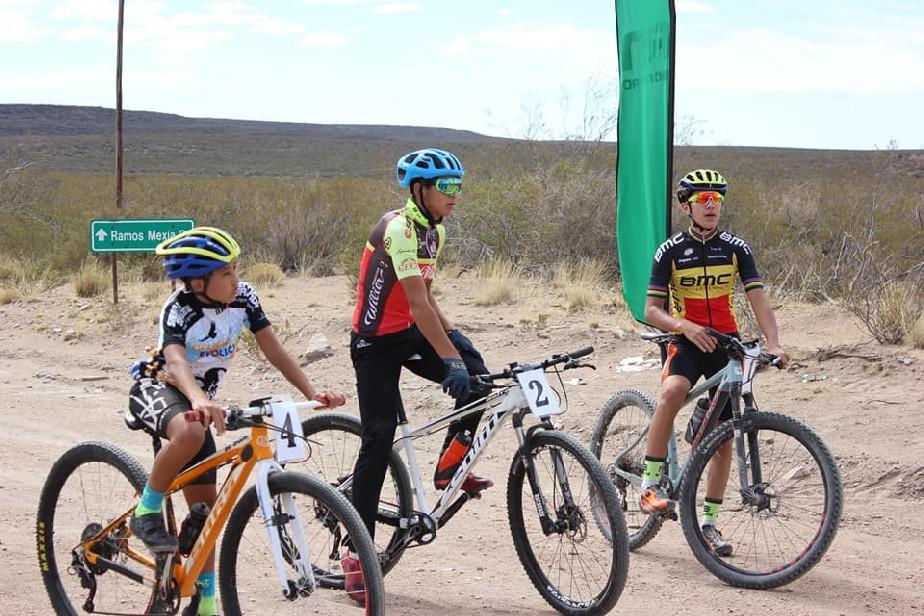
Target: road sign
pixel 134 235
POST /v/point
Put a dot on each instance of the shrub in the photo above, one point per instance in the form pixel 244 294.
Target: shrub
pixel 263 274
pixel 7 295
pixel 578 282
pixel 91 281
pixel 916 335
pixel 498 282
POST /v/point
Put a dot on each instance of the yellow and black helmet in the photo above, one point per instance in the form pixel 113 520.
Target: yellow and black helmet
pixel 197 252
pixel 700 179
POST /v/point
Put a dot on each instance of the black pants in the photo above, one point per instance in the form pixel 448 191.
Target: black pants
pixel 378 361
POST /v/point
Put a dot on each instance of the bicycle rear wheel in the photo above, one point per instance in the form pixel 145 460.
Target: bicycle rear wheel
pixel 247 575
pixel 618 443
pixel 91 485
pixel 337 438
pixel 781 523
pixel 576 568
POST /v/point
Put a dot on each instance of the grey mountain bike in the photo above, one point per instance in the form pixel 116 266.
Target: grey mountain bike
pixel 559 497
pixel 783 502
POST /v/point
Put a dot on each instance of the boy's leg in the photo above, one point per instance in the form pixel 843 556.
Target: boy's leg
pixel 204 490
pixel 378 370
pixel 161 406
pixel 430 366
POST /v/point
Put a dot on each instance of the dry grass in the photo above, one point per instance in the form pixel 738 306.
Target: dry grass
pixel 263 275
pixel 91 280
pixel 916 334
pixel 580 282
pixel 7 296
pixel 498 281
pixel 890 313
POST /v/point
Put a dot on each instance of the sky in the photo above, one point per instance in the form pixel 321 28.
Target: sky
pixel 833 74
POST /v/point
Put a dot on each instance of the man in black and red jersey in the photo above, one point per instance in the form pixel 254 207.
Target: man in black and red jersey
pixel 695 272
pixel 397 323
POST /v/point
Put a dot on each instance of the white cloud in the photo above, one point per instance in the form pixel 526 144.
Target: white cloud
pixel 690 6
pixel 770 61
pixel 337 2
pixel 18 27
pixel 405 7
pixel 89 32
pixel 98 10
pixel 506 12
pixel 323 39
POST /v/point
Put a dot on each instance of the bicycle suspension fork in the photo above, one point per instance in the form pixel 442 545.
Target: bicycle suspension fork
pixel 284 522
pixel 549 525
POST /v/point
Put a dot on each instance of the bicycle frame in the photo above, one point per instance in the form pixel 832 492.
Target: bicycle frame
pixel 734 383
pixel 500 402
pixel 244 455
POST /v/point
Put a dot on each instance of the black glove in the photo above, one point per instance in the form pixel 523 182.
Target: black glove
pixel 456 383
pixel 461 342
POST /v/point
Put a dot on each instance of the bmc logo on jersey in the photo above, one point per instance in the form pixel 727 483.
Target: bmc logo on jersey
pixel 704 280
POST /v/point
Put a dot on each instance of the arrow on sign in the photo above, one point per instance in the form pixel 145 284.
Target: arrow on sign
pixel 101 235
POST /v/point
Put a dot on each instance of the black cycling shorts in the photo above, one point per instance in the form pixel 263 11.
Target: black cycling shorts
pixel 686 359
pixel 155 403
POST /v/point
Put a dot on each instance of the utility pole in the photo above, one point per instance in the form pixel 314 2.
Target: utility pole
pixel 118 127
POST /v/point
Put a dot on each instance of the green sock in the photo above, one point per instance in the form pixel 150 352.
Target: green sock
pixel 711 508
pixel 208 603
pixel 152 501
pixel 653 468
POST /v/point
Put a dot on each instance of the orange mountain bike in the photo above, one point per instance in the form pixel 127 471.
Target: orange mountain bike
pixel 280 553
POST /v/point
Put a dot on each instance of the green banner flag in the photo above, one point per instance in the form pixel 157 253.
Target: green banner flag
pixel 645 48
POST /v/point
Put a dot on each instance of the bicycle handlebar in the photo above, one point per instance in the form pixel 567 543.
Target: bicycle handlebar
pixel 569 359
pixel 733 347
pixel 236 417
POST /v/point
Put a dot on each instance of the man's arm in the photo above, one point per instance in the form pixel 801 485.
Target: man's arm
pixel 439 313
pixel 428 317
pixel 656 315
pixel 766 320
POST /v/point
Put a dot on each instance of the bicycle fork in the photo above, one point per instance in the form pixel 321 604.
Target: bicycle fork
pixel 549 525
pixel 284 524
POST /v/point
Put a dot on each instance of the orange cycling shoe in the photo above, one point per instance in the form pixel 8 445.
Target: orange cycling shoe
pixel 653 501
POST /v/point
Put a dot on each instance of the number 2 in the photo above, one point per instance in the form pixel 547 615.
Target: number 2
pixel 540 401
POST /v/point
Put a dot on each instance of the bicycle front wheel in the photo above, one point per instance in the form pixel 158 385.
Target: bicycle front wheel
pixel 617 441
pixel 575 567
pixel 780 523
pixel 91 485
pixel 248 579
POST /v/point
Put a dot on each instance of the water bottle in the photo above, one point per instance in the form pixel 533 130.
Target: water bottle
pixel 192 526
pixel 699 411
pixel 455 452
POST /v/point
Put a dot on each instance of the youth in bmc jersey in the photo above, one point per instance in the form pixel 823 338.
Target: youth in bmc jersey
pixel 694 273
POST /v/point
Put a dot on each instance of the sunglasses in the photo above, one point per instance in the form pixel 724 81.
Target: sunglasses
pixel 449 186
pixel 705 196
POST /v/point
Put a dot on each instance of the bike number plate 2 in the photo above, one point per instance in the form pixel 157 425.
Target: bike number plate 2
pixel 290 443
pixel 542 399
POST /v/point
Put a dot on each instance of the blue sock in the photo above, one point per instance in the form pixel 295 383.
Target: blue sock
pixel 152 501
pixel 208 604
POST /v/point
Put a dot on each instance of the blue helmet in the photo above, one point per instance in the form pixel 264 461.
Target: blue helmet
pixel 197 252
pixel 428 164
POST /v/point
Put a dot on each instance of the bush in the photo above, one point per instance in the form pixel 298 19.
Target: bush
pixel 916 335
pixel 263 275
pixel 7 296
pixel 91 281
pixel 498 282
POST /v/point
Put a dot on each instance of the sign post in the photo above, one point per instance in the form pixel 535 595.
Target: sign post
pixel 132 235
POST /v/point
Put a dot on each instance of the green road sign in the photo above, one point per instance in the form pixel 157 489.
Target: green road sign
pixel 134 235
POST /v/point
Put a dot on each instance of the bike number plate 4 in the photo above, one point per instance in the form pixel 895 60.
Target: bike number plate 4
pixel 290 443
pixel 542 399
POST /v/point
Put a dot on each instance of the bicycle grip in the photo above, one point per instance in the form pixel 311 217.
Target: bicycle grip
pixel 581 352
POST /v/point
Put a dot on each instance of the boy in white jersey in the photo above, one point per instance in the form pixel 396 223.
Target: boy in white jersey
pixel 199 330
